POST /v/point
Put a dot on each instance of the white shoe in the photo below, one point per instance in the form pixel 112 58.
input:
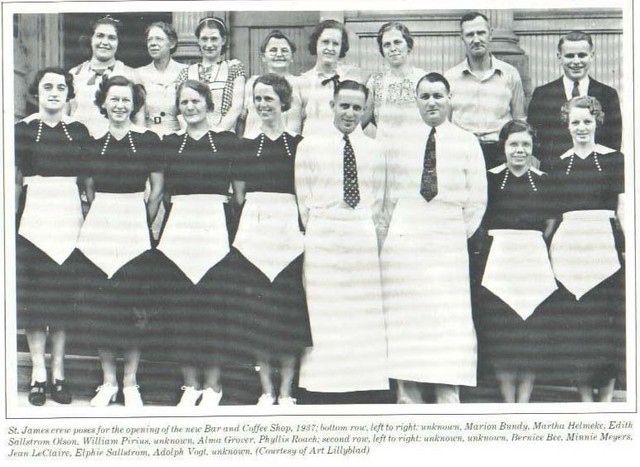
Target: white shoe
pixel 286 401
pixel 266 399
pixel 210 398
pixel 190 396
pixel 132 396
pixel 105 394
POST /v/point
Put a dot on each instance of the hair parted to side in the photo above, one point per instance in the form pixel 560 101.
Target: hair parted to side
pixel 434 77
pixel 199 87
pixel 575 36
pixel 517 126
pixel 350 85
pixel 137 92
pixel 276 34
pixel 394 25
pixel 329 24
pixel 583 102
pixel 168 29
pixel 280 86
pixel 68 79
pixel 470 16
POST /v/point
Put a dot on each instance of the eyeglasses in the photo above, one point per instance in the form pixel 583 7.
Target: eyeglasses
pixel 275 52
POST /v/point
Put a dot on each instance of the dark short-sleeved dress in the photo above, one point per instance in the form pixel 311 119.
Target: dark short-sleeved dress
pixel 589 334
pixel 508 342
pixel 45 289
pixel 116 313
pixel 269 318
pixel 193 314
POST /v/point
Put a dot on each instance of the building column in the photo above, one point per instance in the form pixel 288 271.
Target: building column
pixel 505 44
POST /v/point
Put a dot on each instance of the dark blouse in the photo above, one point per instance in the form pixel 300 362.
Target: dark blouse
pixel 273 170
pixel 592 183
pixel 197 169
pixel 118 168
pixel 518 202
pixel 54 154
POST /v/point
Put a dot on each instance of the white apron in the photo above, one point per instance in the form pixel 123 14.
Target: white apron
pixel 269 235
pixel 518 270
pixel 52 215
pixel 195 237
pixel 583 251
pixel 115 230
pixel 344 298
pixel 427 298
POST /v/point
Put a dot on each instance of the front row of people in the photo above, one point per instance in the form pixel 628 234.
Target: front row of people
pixel 387 290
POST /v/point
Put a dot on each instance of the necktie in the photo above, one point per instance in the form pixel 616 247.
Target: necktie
pixel 429 182
pixel 575 92
pixel 99 73
pixel 350 191
pixel 335 79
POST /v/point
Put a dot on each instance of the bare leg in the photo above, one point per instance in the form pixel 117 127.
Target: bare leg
pixel 58 342
pixel 37 339
pixel 108 363
pixel 212 378
pixel 265 375
pixel 131 362
pixel 447 394
pixel 586 392
pixel 605 393
pixel 525 386
pixel 190 376
pixel 287 372
pixel 409 393
pixel 507 382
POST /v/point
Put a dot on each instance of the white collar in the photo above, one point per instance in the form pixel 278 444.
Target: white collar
pixel 583 86
pixel 36 116
pixel 133 128
pixel 599 149
pixel 502 167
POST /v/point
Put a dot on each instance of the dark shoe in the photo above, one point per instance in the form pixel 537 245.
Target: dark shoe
pixel 37 393
pixel 60 392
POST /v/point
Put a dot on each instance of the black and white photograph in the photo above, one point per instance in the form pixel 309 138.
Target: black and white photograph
pixel 316 231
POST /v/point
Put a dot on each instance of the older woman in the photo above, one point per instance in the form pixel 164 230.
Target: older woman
pixel 329 43
pixel 268 246
pixel 518 278
pixel 225 78
pixel 194 243
pixel 276 52
pixel 588 187
pixel 50 156
pixel 115 238
pixel 392 103
pixel 160 79
pixel 87 75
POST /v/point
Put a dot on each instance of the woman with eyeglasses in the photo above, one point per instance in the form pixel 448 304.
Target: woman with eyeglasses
pixel 276 52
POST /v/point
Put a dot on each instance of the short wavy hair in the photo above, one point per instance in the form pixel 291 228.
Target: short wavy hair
pixel 394 25
pixel 199 87
pixel 168 29
pixel 107 19
pixel 516 126
pixel 68 79
pixel 276 34
pixel 583 102
pixel 280 86
pixel 137 92
pixel 329 24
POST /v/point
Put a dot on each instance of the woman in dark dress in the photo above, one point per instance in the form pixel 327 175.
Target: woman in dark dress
pixel 518 278
pixel 49 159
pixel 588 186
pixel 271 311
pixel 115 309
pixel 195 242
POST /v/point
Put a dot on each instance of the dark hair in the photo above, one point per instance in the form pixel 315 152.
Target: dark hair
pixel 348 84
pixel 516 126
pixel 434 77
pixel 390 27
pixel 107 19
pixel 168 29
pixel 575 36
pixel 137 92
pixel 583 102
pixel 214 22
pixel 317 32
pixel 276 34
pixel 199 87
pixel 470 16
pixel 68 80
pixel 280 86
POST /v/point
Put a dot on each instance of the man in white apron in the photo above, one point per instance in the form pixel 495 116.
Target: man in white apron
pixel 340 185
pixel 436 195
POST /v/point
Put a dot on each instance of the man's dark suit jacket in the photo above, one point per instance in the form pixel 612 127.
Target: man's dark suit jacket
pixel 553 135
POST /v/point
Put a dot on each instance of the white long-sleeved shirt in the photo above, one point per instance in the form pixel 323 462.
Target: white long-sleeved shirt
pixel 460 168
pixel 319 173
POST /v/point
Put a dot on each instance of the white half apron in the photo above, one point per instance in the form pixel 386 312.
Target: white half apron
pixel 195 237
pixel 344 298
pixel 427 298
pixel 583 251
pixel 269 235
pixel 518 270
pixel 52 215
pixel 115 230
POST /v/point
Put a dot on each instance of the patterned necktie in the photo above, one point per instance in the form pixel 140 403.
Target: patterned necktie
pixel 350 191
pixel 575 92
pixel 429 181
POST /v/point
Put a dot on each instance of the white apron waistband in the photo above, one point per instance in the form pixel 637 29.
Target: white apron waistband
pixel 39 179
pixel 590 215
pixel 211 198
pixel 514 233
pixel 269 196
